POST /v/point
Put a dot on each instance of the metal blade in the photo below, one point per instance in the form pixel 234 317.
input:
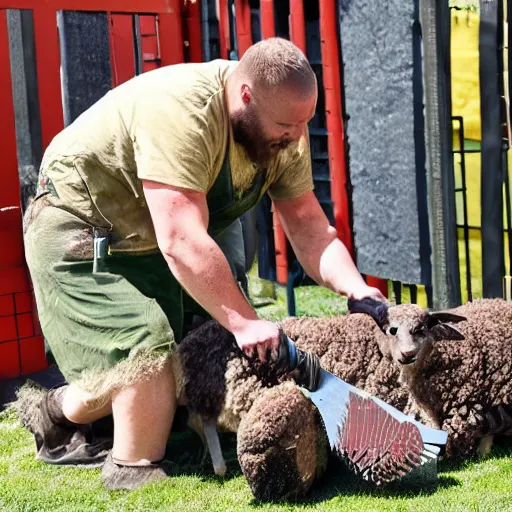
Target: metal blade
pixel 332 398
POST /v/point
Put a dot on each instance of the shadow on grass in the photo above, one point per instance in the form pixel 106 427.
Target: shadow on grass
pixel 339 481
pixel 186 449
pixel 502 449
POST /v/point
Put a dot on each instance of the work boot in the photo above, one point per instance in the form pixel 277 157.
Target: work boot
pixel 58 440
pixel 116 475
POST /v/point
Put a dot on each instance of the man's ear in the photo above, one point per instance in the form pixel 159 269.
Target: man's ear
pixel 439 329
pixel 246 94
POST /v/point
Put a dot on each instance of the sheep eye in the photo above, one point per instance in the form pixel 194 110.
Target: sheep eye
pixel 393 331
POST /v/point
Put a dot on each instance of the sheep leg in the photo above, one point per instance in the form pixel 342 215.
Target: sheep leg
pixel 213 442
pixel 196 424
pixel 485 445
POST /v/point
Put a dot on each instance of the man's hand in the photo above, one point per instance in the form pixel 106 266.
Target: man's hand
pixel 364 292
pixel 260 335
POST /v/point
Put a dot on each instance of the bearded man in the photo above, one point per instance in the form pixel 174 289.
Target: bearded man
pixel 131 198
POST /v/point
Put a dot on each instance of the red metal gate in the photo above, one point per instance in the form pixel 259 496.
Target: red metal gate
pixel 21 341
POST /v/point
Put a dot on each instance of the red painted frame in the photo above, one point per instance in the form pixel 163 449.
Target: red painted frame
pixel 268 30
pixel 25 353
pixel 297 24
pixel 122 58
pixel 191 12
pixel 243 26
pixel 224 29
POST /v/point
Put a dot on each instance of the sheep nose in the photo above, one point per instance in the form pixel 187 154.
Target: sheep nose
pixel 407 354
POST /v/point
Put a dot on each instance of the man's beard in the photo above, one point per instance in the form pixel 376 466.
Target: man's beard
pixel 247 132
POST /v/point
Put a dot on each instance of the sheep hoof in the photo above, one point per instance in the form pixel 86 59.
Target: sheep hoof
pixel 220 469
pixel 484 447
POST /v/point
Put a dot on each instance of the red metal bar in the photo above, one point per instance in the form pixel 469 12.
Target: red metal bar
pixel 149 42
pixel 122 58
pixel 224 29
pixel 170 35
pixel 134 6
pixel 297 24
pixel 268 29
pixel 268 26
pixel 48 73
pixel 335 129
pixel 243 26
pixel 192 16
pixel 10 189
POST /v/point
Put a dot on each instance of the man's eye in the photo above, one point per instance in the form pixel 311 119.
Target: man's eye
pixel 393 331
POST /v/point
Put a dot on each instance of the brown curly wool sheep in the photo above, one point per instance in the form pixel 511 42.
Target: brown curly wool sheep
pixel 224 389
pixel 459 377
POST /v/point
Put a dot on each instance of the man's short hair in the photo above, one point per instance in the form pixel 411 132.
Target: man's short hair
pixel 276 62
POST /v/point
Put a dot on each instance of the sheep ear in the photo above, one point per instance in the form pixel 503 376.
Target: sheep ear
pixel 376 309
pixel 445 332
pixel 439 328
pixel 445 317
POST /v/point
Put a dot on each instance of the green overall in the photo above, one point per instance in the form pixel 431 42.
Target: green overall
pixel 92 320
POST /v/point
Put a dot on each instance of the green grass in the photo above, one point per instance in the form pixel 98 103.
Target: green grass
pixel 27 485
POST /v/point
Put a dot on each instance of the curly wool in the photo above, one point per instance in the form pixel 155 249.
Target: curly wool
pixel 280 444
pixel 460 384
pixel 347 347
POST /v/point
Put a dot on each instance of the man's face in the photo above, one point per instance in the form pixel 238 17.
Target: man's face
pixel 269 123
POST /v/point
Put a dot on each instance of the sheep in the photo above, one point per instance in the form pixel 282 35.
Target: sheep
pixel 458 376
pixel 281 447
pixel 225 391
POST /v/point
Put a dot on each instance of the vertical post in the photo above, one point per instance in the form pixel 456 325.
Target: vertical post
pixel 193 22
pixel 26 104
pixel 170 35
pixel 224 35
pixel 268 28
pixel 297 24
pixel 493 258
pixel 243 26
pixel 48 73
pixel 435 21
pixel 334 120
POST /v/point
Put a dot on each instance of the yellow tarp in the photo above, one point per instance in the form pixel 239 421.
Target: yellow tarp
pixel 465 72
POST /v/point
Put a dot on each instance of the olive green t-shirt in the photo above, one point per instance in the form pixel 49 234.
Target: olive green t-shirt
pixel 170 126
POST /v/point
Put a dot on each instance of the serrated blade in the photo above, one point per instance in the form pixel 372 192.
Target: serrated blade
pixel 376 440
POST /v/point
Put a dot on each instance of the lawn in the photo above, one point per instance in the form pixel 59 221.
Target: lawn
pixel 28 485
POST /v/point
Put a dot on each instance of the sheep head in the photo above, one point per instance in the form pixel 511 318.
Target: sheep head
pixel 408 331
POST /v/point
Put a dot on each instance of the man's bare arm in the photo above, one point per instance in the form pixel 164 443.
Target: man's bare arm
pixel 180 218
pixel 323 256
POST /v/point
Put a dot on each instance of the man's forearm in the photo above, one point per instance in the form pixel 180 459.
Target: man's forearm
pixel 329 263
pixel 201 268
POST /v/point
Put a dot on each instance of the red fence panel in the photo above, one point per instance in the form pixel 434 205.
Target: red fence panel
pixel 21 341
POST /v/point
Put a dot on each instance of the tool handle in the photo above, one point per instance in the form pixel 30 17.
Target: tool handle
pixel 291 358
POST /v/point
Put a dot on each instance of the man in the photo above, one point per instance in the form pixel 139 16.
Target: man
pixel 152 172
